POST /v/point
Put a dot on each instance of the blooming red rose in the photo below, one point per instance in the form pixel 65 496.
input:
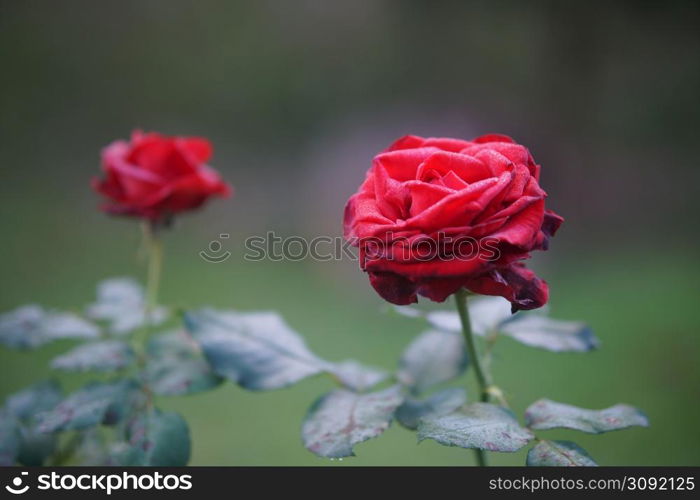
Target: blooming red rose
pixel 156 176
pixel 439 193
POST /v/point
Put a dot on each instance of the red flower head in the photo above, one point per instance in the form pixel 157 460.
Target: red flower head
pixel 436 215
pixel 155 176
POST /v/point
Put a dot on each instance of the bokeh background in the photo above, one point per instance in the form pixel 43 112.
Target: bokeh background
pixel 297 97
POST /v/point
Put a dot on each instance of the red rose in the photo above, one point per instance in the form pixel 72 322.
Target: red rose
pixel 439 193
pixel 155 176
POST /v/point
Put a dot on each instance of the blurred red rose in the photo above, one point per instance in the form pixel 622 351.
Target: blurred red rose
pixel 155 176
pixel 440 193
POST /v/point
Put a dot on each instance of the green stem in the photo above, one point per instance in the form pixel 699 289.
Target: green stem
pixel 155 265
pixel 482 381
pixel 154 253
pixel 474 359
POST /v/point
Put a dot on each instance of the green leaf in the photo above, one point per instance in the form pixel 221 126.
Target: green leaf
pixel 357 376
pixel 175 366
pixel 476 425
pixel 558 454
pixel 256 350
pixel 486 315
pixel 102 356
pixel 90 448
pixel 441 403
pixel 408 311
pixel 172 343
pixel 339 420
pixel 157 438
pixel 446 321
pixel 178 377
pixel 34 399
pixel 433 357
pixel 551 334
pixel 9 438
pixel 492 315
pixel 123 454
pixel 35 447
pixel 545 414
pixel 31 326
pixel 95 403
pixel 121 302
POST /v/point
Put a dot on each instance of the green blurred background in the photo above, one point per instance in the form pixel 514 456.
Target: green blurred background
pixel 297 96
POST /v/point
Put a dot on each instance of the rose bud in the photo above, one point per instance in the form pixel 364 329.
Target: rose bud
pixel 436 215
pixel 155 176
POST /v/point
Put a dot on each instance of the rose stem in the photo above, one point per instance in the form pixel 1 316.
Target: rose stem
pixel 154 251
pixel 154 256
pixel 155 264
pixel 461 301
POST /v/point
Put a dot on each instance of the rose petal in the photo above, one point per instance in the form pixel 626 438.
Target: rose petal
pixel 198 148
pixel 550 225
pixel 363 219
pixel 443 143
pixel 438 290
pixel 436 268
pixel 493 159
pixel 392 197
pixel 465 167
pixel 402 164
pixel 424 195
pixel 393 288
pixel 460 208
pixel 189 192
pixel 493 138
pixel 522 227
pixel 452 181
pixel 516 283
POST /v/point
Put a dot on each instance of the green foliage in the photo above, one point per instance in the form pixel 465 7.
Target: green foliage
pixel 33 447
pixel 552 335
pixel 545 414
pixel 491 316
pixel 412 411
pixel 477 425
pixel 116 422
pixel 29 327
pixel 175 366
pixel 96 403
pixel 9 438
pixel 102 356
pixel 89 447
pixel 121 304
pixel 27 403
pixel 154 438
pixel 256 350
pixel 433 357
pixel 341 419
pixel 356 376
pixel 558 454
